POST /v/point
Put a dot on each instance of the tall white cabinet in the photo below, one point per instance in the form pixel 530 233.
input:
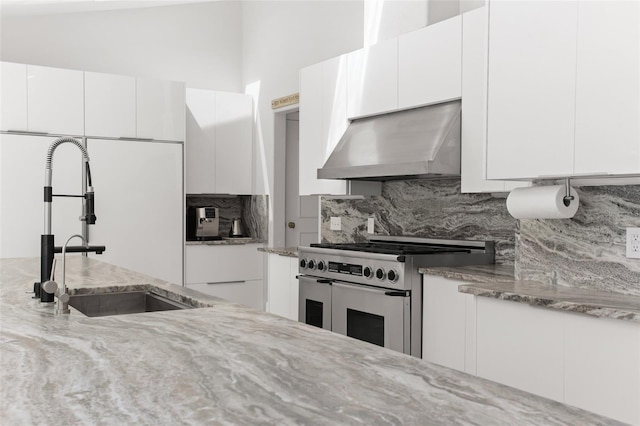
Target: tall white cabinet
pixel 22 164
pixel 139 205
pixel 160 109
pixel 219 142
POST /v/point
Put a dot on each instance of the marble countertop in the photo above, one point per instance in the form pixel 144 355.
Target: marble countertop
pixel 497 281
pixel 223 364
pixel 282 251
pixel 226 242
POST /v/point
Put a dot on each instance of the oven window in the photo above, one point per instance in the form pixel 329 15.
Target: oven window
pixel 314 313
pixel 365 326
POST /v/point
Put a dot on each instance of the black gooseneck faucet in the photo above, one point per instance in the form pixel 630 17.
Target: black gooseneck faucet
pixel 47 246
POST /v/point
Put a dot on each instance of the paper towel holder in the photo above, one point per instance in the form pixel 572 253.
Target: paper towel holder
pixel 567 199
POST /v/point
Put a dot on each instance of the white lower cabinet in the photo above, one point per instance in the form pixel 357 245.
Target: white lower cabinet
pixel 232 272
pixel 591 363
pixel 248 293
pixel 602 366
pixel 283 288
pixel 448 326
pixel 520 346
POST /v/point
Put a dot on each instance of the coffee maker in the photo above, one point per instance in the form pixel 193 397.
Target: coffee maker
pixel 203 223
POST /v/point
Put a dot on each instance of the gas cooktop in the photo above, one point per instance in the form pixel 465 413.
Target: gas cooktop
pixel 396 248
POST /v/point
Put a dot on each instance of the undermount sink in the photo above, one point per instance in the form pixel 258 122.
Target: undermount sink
pixel 132 302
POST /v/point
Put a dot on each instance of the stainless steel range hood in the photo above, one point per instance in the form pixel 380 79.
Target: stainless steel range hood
pixel 417 143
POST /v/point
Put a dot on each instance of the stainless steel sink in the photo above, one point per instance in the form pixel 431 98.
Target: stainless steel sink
pixel 133 302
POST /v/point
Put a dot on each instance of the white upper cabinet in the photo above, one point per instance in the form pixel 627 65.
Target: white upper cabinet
pixel 372 80
pixel 531 106
pixel 323 121
pixel 160 110
pixel 13 96
pixel 430 67
pixel 55 100
pixel 564 89
pixel 201 142
pixel 474 106
pixel 219 142
pixel 110 105
pixel 234 143
pixel 607 135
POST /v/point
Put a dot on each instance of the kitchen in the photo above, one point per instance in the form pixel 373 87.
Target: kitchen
pixel 592 244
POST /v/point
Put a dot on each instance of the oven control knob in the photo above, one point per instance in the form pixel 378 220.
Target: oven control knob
pixel 321 265
pixel 303 263
pixel 392 275
pixel 368 272
pixel 311 264
pixel 380 274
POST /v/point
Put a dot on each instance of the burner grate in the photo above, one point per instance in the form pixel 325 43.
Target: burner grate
pixel 393 248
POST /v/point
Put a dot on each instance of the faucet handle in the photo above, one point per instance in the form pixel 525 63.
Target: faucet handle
pixel 50 286
pixel 64 297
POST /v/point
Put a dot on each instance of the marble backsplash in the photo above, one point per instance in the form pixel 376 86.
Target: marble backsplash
pixel 587 251
pixel 253 210
pixel 423 208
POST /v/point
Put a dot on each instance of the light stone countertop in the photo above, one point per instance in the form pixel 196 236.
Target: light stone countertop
pixel 282 251
pixel 498 282
pixel 223 364
pixel 225 242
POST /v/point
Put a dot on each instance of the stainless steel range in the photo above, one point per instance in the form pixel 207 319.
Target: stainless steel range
pixel 372 291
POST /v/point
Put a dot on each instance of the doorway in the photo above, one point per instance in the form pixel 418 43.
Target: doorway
pixel 300 212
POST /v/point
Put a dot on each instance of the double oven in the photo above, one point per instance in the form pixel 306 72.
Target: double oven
pixel 372 291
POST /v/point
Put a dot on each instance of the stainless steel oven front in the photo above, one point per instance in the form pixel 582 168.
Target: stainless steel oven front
pixel 314 301
pixel 374 315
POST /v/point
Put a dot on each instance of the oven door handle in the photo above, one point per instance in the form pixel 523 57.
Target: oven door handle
pixel 324 281
pixel 405 293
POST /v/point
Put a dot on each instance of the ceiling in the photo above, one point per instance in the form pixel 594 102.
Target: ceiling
pixel 48 7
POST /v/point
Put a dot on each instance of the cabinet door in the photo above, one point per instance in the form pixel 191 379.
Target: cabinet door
pixel 372 79
pixel 139 205
pixel 294 289
pixel 602 366
pixel 323 121
pixel 55 100
pixel 249 293
pixel 160 109
pixel 234 143
pixel 200 145
pixel 223 263
pixel 520 346
pixel 608 88
pixel 446 331
pixel 109 105
pixel 531 105
pixel 13 96
pixel 278 285
pixel 474 106
pixel 430 64
pixel 22 162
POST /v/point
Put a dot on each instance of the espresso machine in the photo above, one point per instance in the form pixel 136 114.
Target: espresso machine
pixel 203 223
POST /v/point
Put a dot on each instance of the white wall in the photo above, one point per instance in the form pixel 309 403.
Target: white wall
pixel 279 38
pixel 197 43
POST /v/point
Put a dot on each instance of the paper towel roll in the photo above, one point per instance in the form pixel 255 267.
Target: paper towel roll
pixel 542 202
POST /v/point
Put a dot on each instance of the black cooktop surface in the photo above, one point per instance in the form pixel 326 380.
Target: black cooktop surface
pixel 393 248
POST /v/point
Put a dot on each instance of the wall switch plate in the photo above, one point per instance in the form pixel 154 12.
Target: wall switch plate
pixel 336 224
pixel 371 225
pixel 633 243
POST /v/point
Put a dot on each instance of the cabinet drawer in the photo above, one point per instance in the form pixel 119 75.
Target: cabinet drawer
pixel 250 293
pixel 215 264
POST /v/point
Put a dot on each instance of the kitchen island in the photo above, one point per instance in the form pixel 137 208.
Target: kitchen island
pixel 222 364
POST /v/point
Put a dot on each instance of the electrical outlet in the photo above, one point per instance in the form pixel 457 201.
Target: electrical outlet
pixel 371 225
pixel 633 243
pixel 336 224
